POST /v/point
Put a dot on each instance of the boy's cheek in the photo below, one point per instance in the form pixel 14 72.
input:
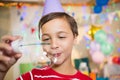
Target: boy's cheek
pixel 46 48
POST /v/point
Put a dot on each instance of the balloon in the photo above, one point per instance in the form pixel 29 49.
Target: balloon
pixel 102 2
pixel 107 48
pixel 98 57
pixel 94 46
pixel 91 52
pixel 119 60
pixel 93 30
pixel 115 59
pixel 100 36
pixel 110 38
pixel 97 9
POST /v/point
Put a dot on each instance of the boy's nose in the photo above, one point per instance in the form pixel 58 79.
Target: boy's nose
pixel 54 44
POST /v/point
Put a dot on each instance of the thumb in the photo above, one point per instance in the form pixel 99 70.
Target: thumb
pixel 17 56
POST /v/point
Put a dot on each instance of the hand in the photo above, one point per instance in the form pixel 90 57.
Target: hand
pixel 7 56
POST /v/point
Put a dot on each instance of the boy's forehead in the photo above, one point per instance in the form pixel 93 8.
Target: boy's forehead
pixel 54 23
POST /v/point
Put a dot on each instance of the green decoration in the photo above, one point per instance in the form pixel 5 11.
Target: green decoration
pixel 100 36
pixel 25 67
pixel 107 48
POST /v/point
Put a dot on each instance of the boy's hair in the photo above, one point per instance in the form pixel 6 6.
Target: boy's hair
pixel 71 21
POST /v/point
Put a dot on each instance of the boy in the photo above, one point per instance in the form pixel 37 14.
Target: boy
pixel 60 30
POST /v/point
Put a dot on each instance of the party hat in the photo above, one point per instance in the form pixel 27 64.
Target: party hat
pixel 52 6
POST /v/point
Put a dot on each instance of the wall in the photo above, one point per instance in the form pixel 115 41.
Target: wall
pixel 24 21
pixel 5 29
pixel 4 21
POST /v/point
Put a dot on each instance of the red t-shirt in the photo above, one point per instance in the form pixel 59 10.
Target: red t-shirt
pixel 50 74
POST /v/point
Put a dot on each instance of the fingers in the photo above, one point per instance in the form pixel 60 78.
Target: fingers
pixel 17 56
pixel 4 46
pixel 4 58
pixel 3 67
pixel 3 62
pixel 7 56
pixel 9 38
pixel 6 62
pixel 6 52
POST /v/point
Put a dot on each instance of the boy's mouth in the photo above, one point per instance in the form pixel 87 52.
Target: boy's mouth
pixel 56 54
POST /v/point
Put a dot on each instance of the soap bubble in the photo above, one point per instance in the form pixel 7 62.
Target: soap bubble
pixel 36 54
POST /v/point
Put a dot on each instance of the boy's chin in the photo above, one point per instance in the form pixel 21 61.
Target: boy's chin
pixel 58 63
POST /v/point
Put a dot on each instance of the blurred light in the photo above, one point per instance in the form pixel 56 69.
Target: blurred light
pixel 69 8
pixel 117 40
pixel 118 49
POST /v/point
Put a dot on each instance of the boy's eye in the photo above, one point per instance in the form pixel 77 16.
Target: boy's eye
pixel 46 39
pixel 62 37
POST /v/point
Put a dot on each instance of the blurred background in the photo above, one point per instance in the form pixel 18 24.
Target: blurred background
pixel 99 33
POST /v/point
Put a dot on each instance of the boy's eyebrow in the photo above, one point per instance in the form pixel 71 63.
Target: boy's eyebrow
pixel 62 32
pixel 46 34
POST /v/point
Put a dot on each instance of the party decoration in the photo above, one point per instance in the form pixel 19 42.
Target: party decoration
pixel 103 18
pixel 97 9
pixel 23 15
pixel 100 36
pixel 119 60
pixel 25 67
pixel 116 1
pixel 118 31
pixel 118 49
pixel 32 30
pixel 93 18
pixel 52 6
pixel 99 4
pixel 118 13
pixel 102 2
pixel 86 17
pixel 94 46
pixel 73 14
pixel 110 38
pixel 93 30
pixel 19 6
pixel 107 48
pixel 18 12
pixel 21 18
pixel 116 60
pixel 98 57
pixel 111 17
pixel 117 40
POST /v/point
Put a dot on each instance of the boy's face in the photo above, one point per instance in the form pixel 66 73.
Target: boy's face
pixel 57 32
